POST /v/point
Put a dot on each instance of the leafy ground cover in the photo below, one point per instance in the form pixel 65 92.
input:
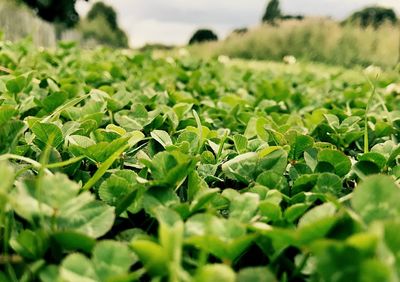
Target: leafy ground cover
pixel 118 166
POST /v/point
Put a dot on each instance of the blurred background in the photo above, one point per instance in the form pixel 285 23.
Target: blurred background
pixel 339 32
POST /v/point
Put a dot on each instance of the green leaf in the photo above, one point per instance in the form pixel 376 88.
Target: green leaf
pixel 169 168
pixel 332 120
pixel 134 138
pixel 202 199
pixel 365 242
pixel 54 100
pixel 77 267
pixel 6 176
pixel 56 190
pixel 270 211
pixel 300 144
pixel 375 270
pixel 365 168
pixel 192 139
pixel 226 239
pixel 59 205
pixel 117 186
pixel 337 259
pixel 81 141
pixel 338 160
pixel 170 233
pixel 155 197
pixel 346 262
pixel 6 113
pixel 112 259
pixel 215 272
pixel 242 207
pixel 71 241
pixel 195 185
pixel 295 211
pixel 329 183
pixel 17 84
pixel 3 87
pixel 240 142
pixel 316 223
pixel 45 131
pixel 392 241
pixel 49 273
pixel 161 137
pixel 369 163
pixel 273 159
pixel 93 218
pixel 31 245
pixel 273 180
pixel 386 149
pixel 100 152
pixel 304 183
pixel 246 167
pixel 376 198
pixel 152 256
pixel 242 167
pixel 256 274
pixel 349 123
pixel 375 158
pixel 310 157
pixel 134 119
pixel 207 157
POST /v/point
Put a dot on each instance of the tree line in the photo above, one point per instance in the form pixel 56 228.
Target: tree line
pixel 374 16
pixel 63 13
pixel 100 24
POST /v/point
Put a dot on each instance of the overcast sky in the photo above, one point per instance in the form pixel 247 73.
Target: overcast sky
pixel 174 21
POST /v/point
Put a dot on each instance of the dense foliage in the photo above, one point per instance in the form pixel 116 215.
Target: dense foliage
pixel 373 16
pixel 203 35
pixel 57 11
pixel 273 12
pixel 99 9
pixel 118 166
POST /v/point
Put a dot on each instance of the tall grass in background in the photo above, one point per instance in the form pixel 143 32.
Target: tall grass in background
pixel 17 22
pixel 320 40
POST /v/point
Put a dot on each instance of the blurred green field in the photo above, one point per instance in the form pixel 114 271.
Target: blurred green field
pixel 318 39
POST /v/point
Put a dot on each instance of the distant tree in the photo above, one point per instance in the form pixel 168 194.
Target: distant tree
pixel 101 25
pixel 373 16
pixel 273 12
pixel 241 30
pixel 292 17
pixel 203 35
pixel 99 9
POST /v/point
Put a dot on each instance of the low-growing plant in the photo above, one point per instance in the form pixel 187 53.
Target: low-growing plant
pixel 123 166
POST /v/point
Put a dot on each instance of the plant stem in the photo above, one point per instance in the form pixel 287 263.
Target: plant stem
pixel 366 141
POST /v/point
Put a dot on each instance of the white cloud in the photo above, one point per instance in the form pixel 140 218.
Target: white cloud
pixel 170 33
pixel 153 31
